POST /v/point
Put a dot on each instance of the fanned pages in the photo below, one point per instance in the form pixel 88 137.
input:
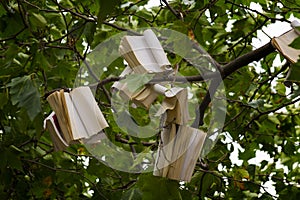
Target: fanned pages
pixel 88 111
pixel 144 54
pixel 119 86
pixel 78 114
pixel 178 152
pixel 175 105
pixel 282 43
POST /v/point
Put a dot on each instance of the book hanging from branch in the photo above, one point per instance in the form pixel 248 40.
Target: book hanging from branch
pixel 77 117
pixel 282 43
pixel 178 152
pixel 144 54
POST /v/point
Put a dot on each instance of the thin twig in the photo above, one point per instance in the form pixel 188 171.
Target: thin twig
pixel 178 15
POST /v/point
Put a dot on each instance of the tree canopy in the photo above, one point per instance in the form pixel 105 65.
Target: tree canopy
pixel 44 43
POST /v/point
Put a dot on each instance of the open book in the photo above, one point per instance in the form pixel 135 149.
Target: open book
pixel 178 152
pixel 282 43
pixel 144 54
pixel 78 116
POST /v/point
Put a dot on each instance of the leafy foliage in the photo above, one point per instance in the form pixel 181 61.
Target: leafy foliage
pixel 44 43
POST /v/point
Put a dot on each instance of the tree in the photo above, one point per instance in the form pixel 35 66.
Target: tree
pixel 43 45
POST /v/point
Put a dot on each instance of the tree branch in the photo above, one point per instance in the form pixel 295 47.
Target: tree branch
pixel 227 70
pixel 178 15
pixel 119 138
pixel 216 77
pixel 271 111
pixel 248 58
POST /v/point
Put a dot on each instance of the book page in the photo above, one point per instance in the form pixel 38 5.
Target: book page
pixel 159 89
pixel 178 154
pixel 165 151
pixel 121 87
pixel 139 56
pixel 145 97
pixel 157 50
pixel 175 105
pixel 181 143
pixel 167 104
pixel 77 126
pixel 196 142
pixel 118 85
pixel 142 94
pixel 282 43
pixel 89 112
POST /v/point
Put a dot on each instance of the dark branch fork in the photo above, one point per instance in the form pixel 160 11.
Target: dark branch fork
pixel 227 70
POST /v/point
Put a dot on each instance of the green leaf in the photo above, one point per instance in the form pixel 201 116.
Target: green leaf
pixel 207 183
pixel 37 21
pixel 289 148
pixel 25 94
pixel 257 104
pixel 13 158
pixel 106 8
pixel 280 88
pixel 132 194
pixel 2 11
pixel 153 187
pixel 263 164
pixel 89 31
pixel 274 119
pixel 240 174
pixel 77 29
pixel 247 154
pixel 42 60
pixel 296 43
pixel 294 73
pixel 3 100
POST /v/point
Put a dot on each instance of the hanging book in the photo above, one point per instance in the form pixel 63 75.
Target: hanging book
pixel 78 116
pixel 144 54
pixel 178 152
pixel 282 43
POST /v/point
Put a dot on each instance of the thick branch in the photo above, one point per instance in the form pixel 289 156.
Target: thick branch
pixel 247 58
pixel 227 70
